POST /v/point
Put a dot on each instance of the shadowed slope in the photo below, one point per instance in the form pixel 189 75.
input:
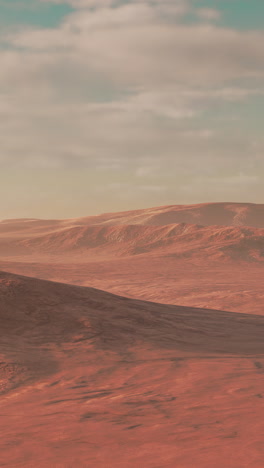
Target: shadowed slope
pixel 43 311
pixel 93 379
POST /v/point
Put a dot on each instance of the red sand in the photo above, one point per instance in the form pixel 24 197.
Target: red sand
pixel 211 266
pixel 224 286
pixel 92 379
pixel 89 379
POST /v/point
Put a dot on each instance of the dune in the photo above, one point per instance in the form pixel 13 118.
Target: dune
pixel 89 378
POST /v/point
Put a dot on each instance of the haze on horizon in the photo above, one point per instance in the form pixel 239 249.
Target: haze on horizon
pixel 110 105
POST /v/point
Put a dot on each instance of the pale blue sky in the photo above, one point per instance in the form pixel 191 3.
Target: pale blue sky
pixel 240 14
pixel 107 105
pixel 32 12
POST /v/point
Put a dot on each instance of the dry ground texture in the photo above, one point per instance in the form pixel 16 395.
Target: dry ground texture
pixel 159 254
pixel 93 379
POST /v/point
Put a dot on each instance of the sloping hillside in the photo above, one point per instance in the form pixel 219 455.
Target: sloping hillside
pixel 100 380
pixel 206 214
pixel 182 240
pixel 214 230
pixel 44 311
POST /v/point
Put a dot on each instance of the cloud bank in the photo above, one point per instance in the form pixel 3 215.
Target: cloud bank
pixel 138 84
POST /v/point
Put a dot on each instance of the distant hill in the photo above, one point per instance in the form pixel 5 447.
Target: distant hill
pixel 216 230
pixel 182 240
pixel 206 214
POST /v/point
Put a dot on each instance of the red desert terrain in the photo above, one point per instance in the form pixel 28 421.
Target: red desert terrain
pixel 208 255
pixel 90 379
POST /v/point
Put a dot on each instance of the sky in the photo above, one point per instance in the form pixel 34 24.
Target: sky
pixel 110 105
